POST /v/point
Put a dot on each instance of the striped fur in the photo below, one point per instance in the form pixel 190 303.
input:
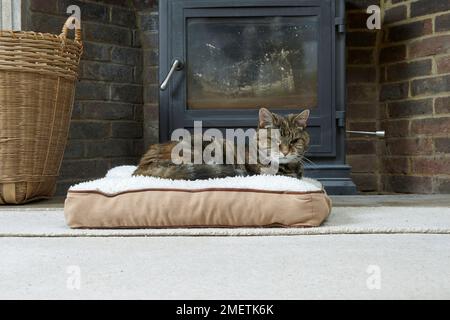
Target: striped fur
pixel 294 142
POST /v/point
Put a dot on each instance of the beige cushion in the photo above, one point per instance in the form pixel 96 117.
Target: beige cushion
pixel 87 206
pixel 195 208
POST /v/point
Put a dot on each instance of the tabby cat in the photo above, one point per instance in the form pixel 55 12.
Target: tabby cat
pixel 293 143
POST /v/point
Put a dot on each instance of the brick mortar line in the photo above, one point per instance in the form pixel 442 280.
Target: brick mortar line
pixel 427 138
pixel 107 139
pixel 422 117
pixel 366 84
pixel 412 174
pixel 125 82
pixel 105 160
pixel 100 121
pixel 431 16
pixel 360 66
pixel 113 45
pixel 387 6
pixel 409 61
pixel 89 21
pixel 431 76
pixel 137 49
pixel 434 68
pixel 397 157
pixel 418 98
pixel 95 120
pixel 355 121
pixel 90 160
pixel 106 5
pixel 108 102
pixel 133 84
pixel 362 47
pixel 414 40
pixel 130 66
pixel 92 22
pixel 152 32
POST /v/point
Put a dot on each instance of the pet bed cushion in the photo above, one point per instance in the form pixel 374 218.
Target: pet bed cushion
pixel 122 201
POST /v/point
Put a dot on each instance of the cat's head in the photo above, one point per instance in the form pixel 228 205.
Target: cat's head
pixel 293 140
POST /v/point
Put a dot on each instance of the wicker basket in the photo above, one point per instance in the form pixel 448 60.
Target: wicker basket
pixel 37 84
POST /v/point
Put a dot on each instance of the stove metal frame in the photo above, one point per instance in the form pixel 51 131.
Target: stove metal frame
pixel 328 119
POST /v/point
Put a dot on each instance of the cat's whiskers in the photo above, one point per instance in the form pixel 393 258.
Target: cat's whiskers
pixel 310 161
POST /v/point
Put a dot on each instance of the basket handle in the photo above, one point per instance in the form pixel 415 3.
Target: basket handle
pixel 65 29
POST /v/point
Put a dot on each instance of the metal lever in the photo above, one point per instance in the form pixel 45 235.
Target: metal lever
pixel 379 134
pixel 176 66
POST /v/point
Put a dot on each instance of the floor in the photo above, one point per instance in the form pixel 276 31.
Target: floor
pixel 305 267
pixel 334 266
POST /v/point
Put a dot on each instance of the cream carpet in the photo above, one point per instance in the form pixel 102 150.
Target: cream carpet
pixel 407 246
pixel 409 266
pixel 29 222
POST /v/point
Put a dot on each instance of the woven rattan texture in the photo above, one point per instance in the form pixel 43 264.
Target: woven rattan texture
pixel 37 86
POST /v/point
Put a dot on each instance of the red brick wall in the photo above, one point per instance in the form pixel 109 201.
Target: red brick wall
pixel 415 95
pixel 398 80
pixel 106 128
pixel 362 96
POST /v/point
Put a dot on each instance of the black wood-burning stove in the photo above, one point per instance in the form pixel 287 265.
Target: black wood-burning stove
pixel 220 60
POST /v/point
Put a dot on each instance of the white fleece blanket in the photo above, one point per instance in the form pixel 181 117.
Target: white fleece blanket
pixel 120 179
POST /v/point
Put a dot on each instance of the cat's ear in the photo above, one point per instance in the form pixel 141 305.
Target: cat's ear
pixel 265 118
pixel 302 118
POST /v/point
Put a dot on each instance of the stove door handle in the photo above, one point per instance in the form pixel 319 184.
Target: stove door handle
pixel 380 134
pixel 177 65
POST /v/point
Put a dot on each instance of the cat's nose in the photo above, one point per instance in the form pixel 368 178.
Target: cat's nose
pixel 284 150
